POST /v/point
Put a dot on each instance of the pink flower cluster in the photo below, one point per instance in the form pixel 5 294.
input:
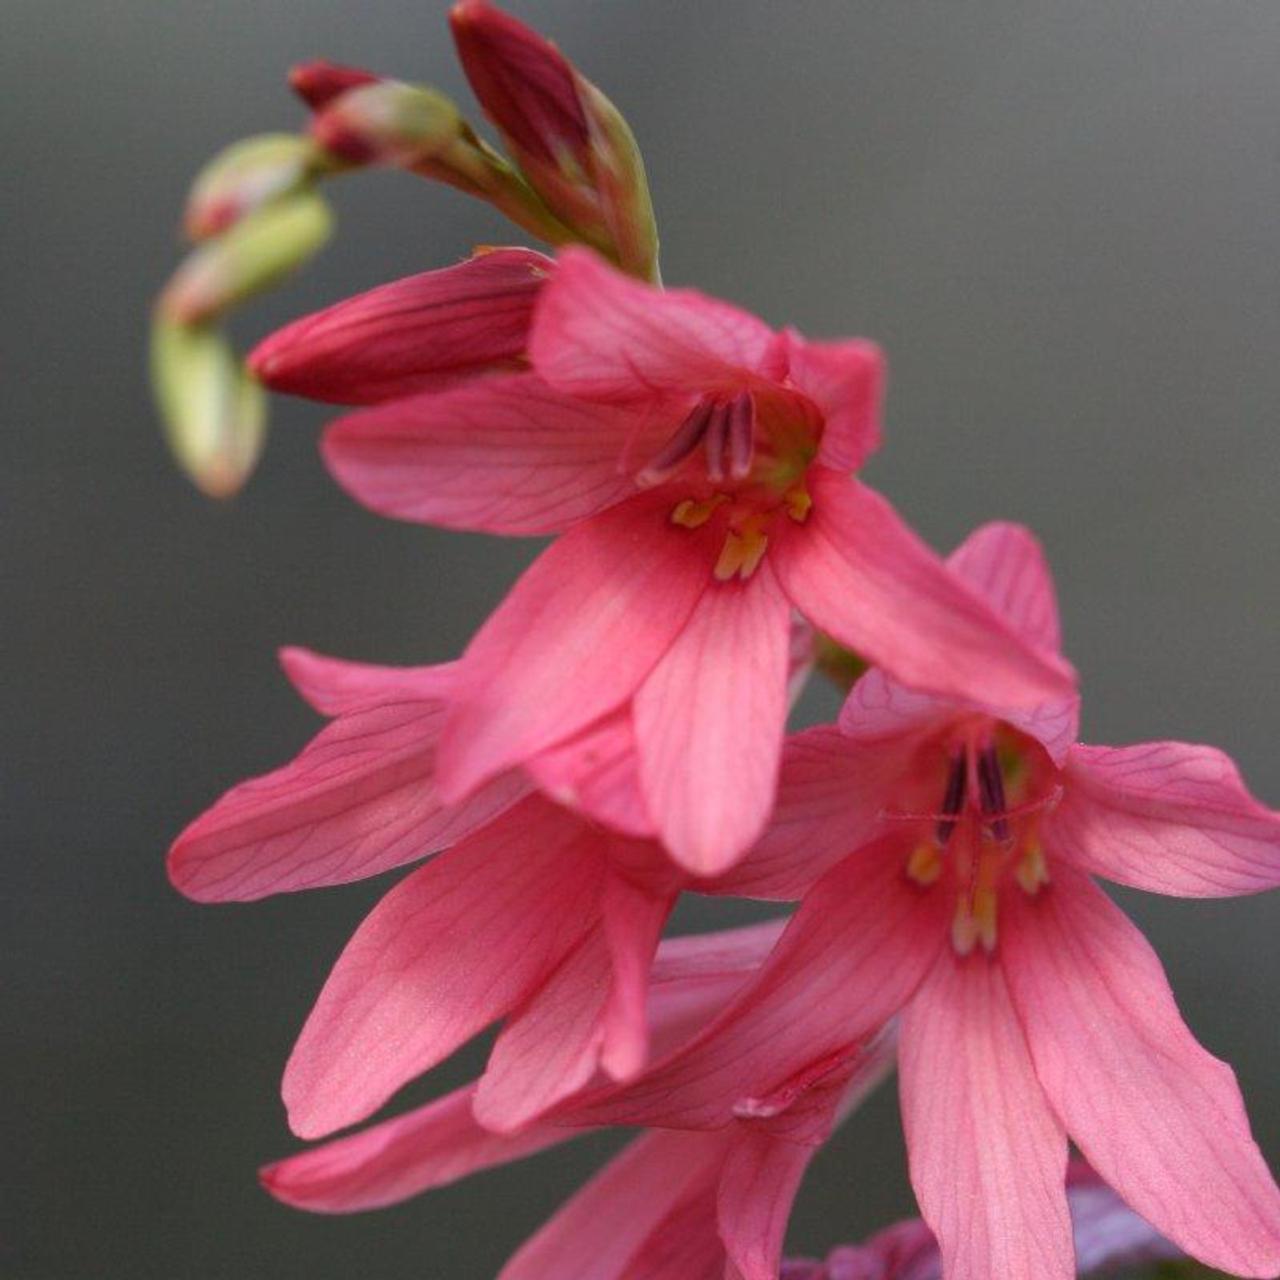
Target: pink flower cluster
pixel 615 736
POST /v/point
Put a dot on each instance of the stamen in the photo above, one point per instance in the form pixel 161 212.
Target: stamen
pixel 924 865
pixel 991 792
pixel 685 440
pixel 692 514
pixel 1031 871
pixel 799 503
pixel 715 441
pixel 953 797
pixel 742 552
pixel 742 436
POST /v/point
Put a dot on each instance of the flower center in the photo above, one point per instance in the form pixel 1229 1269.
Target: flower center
pixel 754 460
pixel 984 837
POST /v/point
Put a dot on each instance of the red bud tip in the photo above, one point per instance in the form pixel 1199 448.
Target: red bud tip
pixel 524 83
pixel 318 83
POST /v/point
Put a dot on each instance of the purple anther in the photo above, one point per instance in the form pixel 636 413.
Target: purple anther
pixel 991 791
pixel 688 435
pixel 717 435
pixel 953 797
pixel 742 436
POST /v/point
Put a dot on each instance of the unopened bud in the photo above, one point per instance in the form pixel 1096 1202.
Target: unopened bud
pixel 250 257
pixel 318 83
pixel 389 123
pixel 214 413
pixel 424 333
pixel 569 140
pixel 246 176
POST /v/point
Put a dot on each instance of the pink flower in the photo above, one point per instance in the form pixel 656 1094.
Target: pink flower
pixel 676 1205
pixel 534 913
pixel 1107 1235
pixel 1033 1009
pixel 425 332
pixel 694 462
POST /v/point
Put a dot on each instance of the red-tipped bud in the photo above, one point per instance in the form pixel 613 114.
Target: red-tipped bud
pixel 423 333
pixel 318 83
pixel 526 86
pixel 390 123
pixel 570 141
pixel 246 176
pixel 251 256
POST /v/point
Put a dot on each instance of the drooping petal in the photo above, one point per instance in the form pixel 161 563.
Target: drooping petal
pixel 1169 817
pixel 633 923
pixel 1159 1118
pixel 460 942
pixel 502 455
pixel 334 685
pixel 831 793
pixel 757 1188
pixel 709 723
pixel 359 800
pixel 597 333
pixel 422 333
pixel 599 1232
pixel 574 638
pixel 988 1157
pixel 1005 564
pixel 428 1147
pixel 597 772
pixel 850 958
pixel 846 381
pixel 857 572
pixel 551 1047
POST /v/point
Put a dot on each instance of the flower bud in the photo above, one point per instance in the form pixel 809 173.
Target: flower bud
pixel 248 258
pixel 569 140
pixel 214 412
pixel 318 83
pixel 246 176
pixel 423 333
pixel 389 123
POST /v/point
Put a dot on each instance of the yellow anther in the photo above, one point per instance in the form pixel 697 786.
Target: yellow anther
pixel 975 921
pixel 964 928
pixel 799 503
pixel 742 552
pixel 1031 871
pixel 925 864
pixel 692 514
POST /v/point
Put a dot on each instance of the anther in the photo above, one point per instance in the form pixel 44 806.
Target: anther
pixel 688 435
pixel 991 792
pixel 741 416
pixel 953 797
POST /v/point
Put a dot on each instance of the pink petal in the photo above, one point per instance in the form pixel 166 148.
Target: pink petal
pixel 1005 565
pixel 1108 1234
pixel 1159 1118
pixel 758 1186
pixel 502 455
pixel 460 942
pixel 709 723
pixel 551 1047
pixel 850 958
pixel 988 1157
pixel 1168 817
pixel 577 634
pixel 831 793
pixel 358 800
pixel 633 923
pixel 599 1232
pixel 424 332
pixel 846 381
pixel 334 685
pixel 428 1147
pixel 857 572
pixel 598 333
pixel 598 774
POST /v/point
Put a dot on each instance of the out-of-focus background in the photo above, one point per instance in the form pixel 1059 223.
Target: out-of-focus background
pixel 1059 219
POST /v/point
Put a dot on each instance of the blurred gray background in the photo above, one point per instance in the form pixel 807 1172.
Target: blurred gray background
pixel 1060 219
